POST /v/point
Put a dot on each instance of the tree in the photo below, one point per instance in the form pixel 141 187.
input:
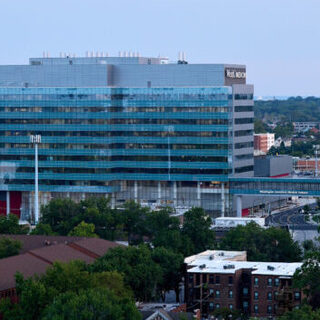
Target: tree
pixel 90 305
pixel 43 229
pixel 260 126
pixel 140 272
pixel 9 247
pixel 309 246
pixel 305 313
pixel 171 264
pixel 134 221
pixel 307 278
pixel 306 209
pixel 83 230
pixel 37 294
pixel 164 230
pixel 109 223
pixel 10 225
pixel 284 130
pixel 197 227
pixel 270 244
pixel 58 213
pixel 63 215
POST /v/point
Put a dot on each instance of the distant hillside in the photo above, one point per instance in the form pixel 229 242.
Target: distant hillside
pixel 292 110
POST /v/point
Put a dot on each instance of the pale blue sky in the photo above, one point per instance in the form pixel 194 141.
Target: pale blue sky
pixel 278 40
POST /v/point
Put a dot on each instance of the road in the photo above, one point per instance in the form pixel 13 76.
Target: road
pixel 291 217
pixel 295 221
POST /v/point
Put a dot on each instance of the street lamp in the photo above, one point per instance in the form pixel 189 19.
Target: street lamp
pixel 36 139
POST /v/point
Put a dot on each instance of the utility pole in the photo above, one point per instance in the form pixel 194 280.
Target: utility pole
pixel 35 140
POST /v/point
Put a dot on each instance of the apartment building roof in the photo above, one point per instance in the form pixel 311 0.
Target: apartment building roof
pixel 258 268
pixel 215 255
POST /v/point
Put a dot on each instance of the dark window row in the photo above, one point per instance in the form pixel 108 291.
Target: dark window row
pixel 243 108
pixel 94 146
pixel 243 120
pixel 164 157
pixel 244 157
pixel 117 121
pixel 243 145
pixel 217 134
pixel 242 133
pixel 81 109
pixel 269 309
pixel 244 169
pixel 98 134
pixel 242 96
pixel 128 170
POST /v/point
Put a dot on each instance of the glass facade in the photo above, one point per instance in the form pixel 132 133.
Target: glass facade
pixel 94 138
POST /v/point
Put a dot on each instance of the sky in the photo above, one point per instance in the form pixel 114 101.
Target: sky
pixel 278 40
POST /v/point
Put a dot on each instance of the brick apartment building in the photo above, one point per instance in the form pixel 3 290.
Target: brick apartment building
pixel 217 279
pixel 307 165
pixel 263 142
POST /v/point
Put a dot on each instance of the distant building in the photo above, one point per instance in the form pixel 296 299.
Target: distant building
pixel 301 127
pixel 232 222
pixel 259 289
pixel 306 165
pixel 263 142
pixel 287 142
pixel 273 166
pixel 162 312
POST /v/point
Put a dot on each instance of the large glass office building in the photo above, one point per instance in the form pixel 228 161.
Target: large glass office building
pixel 126 128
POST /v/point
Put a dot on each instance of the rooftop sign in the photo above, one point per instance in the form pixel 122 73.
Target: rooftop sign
pixel 235 73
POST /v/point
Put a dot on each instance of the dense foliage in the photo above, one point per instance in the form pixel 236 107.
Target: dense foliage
pixel 153 267
pixel 132 222
pixel 9 247
pixel 10 225
pixel 70 291
pixel 148 272
pixel 272 244
pixel 140 272
pixel 43 229
pixel 305 313
pixel 307 278
pixel 260 126
pixel 290 110
pixel 83 230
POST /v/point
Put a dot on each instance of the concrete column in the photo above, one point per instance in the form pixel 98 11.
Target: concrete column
pixel 136 191
pixel 8 202
pixel 198 194
pixel 223 201
pixel 175 193
pixel 159 191
pixel 113 200
pixel 36 185
pixel 239 206
pixel 30 204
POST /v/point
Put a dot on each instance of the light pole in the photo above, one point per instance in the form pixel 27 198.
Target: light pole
pixel 36 139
